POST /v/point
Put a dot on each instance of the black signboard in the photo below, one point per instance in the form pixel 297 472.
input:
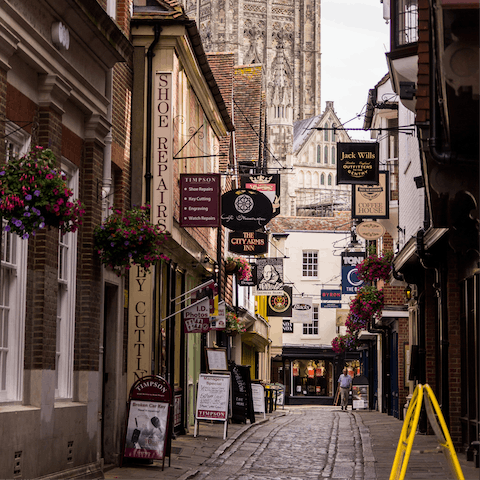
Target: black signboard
pixel 269 184
pixel 252 282
pixel 242 399
pixel 245 210
pixel 350 281
pixel 287 326
pixel 248 243
pixel 357 163
pixel 280 305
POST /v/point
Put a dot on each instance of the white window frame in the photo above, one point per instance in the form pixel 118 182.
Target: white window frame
pixel 311 329
pixel 310 268
pixel 67 271
pixel 14 265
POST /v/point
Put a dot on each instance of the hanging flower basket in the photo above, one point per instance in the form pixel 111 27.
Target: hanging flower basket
pixel 367 303
pixel 354 323
pixel 375 268
pixel 240 266
pixel 234 325
pixel 122 240
pixel 34 194
pixel 345 343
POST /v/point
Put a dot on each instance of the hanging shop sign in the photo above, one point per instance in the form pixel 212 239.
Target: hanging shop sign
pixel 267 184
pixel 197 317
pixel 162 167
pixel 370 230
pixel 357 163
pixel 218 322
pixel 372 201
pixel 252 281
pixel 341 316
pixel 139 324
pixel 280 305
pixel 200 200
pixel 148 419
pixel 269 276
pixel 302 309
pixel 331 295
pixel 245 210
pixel 287 326
pixel 350 282
pixel 248 243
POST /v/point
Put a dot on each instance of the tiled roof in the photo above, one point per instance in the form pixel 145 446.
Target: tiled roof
pixel 340 222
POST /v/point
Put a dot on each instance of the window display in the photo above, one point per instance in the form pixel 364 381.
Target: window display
pixel 312 378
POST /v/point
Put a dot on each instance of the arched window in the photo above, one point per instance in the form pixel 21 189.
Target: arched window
pixel 315 179
pixel 300 178
pixel 318 154
pixel 325 132
pixel 330 179
pixel 334 157
pixel 325 154
pixel 308 180
pixel 322 179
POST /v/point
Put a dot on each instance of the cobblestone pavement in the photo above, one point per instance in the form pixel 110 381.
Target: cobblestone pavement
pixel 306 444
pixel 299 443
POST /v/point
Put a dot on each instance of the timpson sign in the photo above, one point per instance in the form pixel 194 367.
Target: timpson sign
pixel 162 195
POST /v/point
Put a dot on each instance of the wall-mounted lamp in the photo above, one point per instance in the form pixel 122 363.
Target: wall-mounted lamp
pixel 408 292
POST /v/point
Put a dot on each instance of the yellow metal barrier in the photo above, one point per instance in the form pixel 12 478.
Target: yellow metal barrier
pixel 407 435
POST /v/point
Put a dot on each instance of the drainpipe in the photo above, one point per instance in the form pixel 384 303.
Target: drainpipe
pixel 107 150
pixel 443 341
pixel 148 149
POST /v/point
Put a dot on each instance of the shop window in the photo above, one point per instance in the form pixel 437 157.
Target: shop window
pixel 312 378
pixel 310 263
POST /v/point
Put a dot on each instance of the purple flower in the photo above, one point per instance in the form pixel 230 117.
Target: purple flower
pixel 7 228
pixel 25 236
pixel 17 223
pixel 36 193
pixel 28 197
pixel 26 214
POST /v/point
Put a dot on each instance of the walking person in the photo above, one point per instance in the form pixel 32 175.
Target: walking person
pixel 345 384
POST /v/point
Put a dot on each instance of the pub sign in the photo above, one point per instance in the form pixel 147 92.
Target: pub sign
pixel 248 243
pixel 350 281
pixel 357 163
pixel 268 184
pixel 245 210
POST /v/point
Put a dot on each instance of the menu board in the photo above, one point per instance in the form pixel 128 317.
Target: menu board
pixel 217 359
pixel 239 395
pixel 258 394
pixel 212 397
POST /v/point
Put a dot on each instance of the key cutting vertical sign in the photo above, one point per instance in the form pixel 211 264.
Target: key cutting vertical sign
pixel 162 195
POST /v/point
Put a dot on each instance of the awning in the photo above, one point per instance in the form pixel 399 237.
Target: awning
pixel 255 340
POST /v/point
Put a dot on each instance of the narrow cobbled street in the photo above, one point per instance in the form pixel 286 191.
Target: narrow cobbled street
pixel 299 443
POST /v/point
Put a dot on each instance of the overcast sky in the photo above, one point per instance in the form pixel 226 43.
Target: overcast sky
pixel 354 39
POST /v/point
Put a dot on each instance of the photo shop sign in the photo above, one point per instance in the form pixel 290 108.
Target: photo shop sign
pixel 245 210
pixel 357 163
pixel 197 317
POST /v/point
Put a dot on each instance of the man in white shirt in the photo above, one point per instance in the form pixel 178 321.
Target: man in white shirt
pixel 345 384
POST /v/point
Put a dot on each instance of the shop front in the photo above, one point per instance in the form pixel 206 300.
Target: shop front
pixel 310 373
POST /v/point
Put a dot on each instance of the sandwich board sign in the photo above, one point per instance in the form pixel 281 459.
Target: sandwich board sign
pixel 212 400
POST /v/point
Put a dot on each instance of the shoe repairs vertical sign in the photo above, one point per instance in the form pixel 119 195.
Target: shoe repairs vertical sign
pixel 200 200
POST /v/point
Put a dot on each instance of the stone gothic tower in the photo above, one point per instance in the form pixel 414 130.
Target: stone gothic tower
pixel 284 37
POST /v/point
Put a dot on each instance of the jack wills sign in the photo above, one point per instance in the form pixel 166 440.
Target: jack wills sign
pixel 357 163
pixel 162 167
